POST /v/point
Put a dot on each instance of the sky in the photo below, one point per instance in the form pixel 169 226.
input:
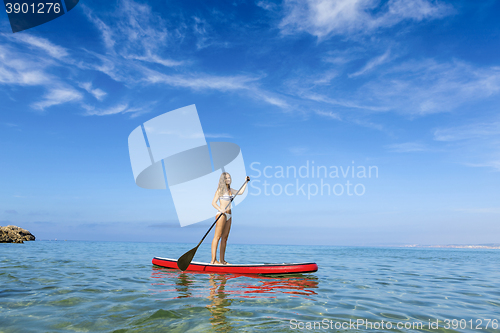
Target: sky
pixel 408 89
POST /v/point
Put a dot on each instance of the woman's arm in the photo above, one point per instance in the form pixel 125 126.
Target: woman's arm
pixel 234 192
pixel 214 202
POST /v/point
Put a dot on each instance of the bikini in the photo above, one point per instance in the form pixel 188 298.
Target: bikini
pixel 227 197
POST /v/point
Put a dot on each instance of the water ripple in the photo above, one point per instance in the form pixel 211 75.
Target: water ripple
pixel 112 287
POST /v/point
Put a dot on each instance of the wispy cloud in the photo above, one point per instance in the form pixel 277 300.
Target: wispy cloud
pixel 266 5
pixel 426 87
pixel 326 78
pixel 19 69
pixel 51 49
pixel 115 109
pixel 324 18
pixel 328 114
pixel 201 29
pixel 344 103
pixel 470 131
pixel 373 63
pixel 298 150
pixel 106 32
pixel 156 59
pixel 477 144
pixel 407 147
pixel 97 93
pixel 137 41
pixel 204 81
pixel 369 124
pixel 271 99
pixel 489 164
pixel 139 33
pixel 57 96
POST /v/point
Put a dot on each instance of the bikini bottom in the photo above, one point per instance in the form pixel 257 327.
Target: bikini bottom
pixel 228 216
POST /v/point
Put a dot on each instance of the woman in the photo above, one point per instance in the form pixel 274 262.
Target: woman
pixel 224 194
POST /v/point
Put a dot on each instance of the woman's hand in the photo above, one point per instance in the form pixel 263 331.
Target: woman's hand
pixel 248 179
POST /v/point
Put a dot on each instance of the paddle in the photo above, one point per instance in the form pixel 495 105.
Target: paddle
pixel 187 257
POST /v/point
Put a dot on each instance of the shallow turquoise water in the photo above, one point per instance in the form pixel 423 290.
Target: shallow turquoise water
pixel 112 287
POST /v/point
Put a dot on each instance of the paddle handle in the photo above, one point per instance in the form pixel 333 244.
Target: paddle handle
pixel 246 181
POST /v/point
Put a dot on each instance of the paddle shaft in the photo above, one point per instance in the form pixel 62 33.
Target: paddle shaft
pixel 246 181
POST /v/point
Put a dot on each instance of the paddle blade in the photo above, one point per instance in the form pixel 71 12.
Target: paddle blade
pixel 186 259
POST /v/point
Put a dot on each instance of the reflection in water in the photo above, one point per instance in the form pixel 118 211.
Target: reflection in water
pixel 182 285
pixel 194 284
pixel 219 303
pixel 286 285
pixel 221 290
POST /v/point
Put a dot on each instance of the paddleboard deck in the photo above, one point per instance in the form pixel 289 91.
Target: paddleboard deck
pixel 266 269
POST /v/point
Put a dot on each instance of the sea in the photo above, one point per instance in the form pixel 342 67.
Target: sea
pixel 76 286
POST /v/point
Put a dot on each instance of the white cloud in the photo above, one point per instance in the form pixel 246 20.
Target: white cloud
pixel 222 83
pixel 29 68
pixel 201 29
pixel 119 108
pixel 266 97
pixel 105 30
pixel 18 69
pixel 97 93
pixel 373 63
pixel 298 150
pixel 477 144
pixel 138 33
pixel 369 124
pixel 323 18
pixel 53 50
pixel 266 5
pixel 143 38
pixel 57 96
pixel 407 147
pixel 344 103
pixel 23 78
pixel 326 78
pixel 470 131
pixel 156 59
pixel 489 164
pixel 426 87
pixel 328 114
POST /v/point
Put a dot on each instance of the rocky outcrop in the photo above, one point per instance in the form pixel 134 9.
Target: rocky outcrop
pixel 13 234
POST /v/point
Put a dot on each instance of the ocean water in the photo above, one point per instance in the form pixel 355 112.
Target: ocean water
pixel 59 286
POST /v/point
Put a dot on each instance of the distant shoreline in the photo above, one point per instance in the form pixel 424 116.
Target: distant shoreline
pixel 400 246
pixel 454 246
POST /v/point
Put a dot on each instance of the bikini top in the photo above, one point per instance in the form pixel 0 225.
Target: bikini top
pixel 226 197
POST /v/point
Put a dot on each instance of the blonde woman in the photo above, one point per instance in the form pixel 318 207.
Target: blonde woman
pixel 224 194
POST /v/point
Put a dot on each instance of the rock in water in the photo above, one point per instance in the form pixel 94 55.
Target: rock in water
pixel 13 234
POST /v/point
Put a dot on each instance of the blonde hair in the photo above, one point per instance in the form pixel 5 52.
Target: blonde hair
pixel 222 187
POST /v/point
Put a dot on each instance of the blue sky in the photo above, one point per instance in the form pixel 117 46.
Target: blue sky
pixel 411 87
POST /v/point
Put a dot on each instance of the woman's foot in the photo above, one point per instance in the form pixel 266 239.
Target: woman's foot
pixel 215 262
pixel 225 263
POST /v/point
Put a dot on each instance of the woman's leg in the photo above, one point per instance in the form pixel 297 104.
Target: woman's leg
pixel 219 227
pixel 223 241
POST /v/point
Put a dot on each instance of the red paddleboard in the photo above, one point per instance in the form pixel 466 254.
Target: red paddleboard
pixel 240 269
